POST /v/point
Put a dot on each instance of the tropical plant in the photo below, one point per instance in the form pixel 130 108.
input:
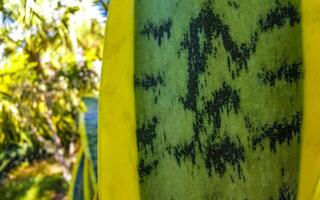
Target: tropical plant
pixel 201 99
pixel 50 55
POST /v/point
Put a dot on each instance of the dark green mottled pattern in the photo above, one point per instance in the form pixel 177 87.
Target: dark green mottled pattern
pixel 218 98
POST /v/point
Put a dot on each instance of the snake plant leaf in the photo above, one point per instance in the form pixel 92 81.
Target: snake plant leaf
pixel 206 99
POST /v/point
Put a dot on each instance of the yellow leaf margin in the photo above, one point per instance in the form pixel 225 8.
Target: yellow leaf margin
pixel 309 188
pixel 117 160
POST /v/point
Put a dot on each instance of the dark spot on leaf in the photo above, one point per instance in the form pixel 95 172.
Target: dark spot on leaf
pixel 184 152
pixel 221 154
pixel 288 72
pixel 279 16
pixel 282 171
pixel 157 31
pixel 278 132
pixel 149 81
pixel 146 134
pixel 233 4
pixel 224 98
pixel 145 169
pixel 287 192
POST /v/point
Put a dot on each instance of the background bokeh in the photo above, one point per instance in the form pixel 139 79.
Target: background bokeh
pixel 50 58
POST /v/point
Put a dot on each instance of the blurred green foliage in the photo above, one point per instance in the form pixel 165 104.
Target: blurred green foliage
pixel 41 180
pixel 50 53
